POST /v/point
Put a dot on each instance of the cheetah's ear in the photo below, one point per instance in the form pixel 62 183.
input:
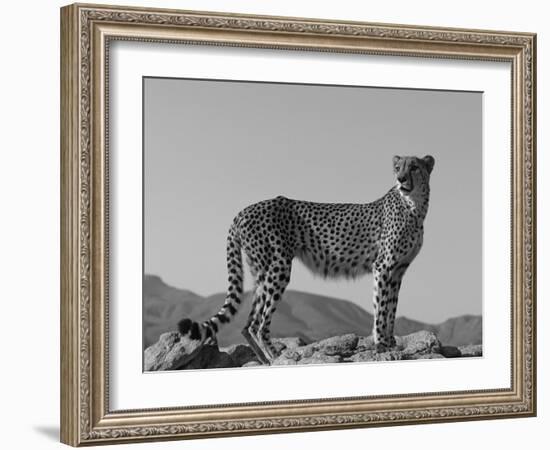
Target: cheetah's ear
pixel 396 159
pixel 429 161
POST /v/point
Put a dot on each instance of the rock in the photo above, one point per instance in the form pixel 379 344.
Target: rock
pixel 420 343
pixel 327 351
pixel 170 352
pixel 413 346
pixel 174 351
pixel 320 358
pixel 253 363
pixel 289 342
pixel 431 356
pixel 365 343
pixel 283 361
pixel 240 354
pixel 338 345
pixel 372 355
pixel 210 357
pixel 448 351
pixel 292 356
pixel 471 350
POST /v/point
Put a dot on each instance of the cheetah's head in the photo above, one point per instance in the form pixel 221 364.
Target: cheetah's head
pixel 412 174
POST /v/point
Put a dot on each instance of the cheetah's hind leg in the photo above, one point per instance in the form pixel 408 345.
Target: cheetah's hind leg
pixel 270 293
pixel 212 340
pixel 250 337
pixel 250 330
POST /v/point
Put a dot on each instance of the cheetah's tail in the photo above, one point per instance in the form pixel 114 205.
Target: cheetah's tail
pixel 207 330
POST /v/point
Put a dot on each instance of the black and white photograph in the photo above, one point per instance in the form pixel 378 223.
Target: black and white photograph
pixel 296 224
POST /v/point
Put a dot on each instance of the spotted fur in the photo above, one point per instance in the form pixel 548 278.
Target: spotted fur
pixel 331 239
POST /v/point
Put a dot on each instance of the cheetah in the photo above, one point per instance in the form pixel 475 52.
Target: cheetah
pixel 332 240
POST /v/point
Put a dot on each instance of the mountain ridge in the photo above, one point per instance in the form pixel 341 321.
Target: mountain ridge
pixel 310 317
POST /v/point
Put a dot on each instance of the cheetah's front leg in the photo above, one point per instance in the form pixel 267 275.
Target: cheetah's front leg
pixel 387 281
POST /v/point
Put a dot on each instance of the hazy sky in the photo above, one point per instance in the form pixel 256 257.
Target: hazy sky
pixel 213 147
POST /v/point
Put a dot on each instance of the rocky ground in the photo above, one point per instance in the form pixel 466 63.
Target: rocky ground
pixel 174 352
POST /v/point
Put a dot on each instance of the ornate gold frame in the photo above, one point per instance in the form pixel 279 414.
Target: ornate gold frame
pixel 86 31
